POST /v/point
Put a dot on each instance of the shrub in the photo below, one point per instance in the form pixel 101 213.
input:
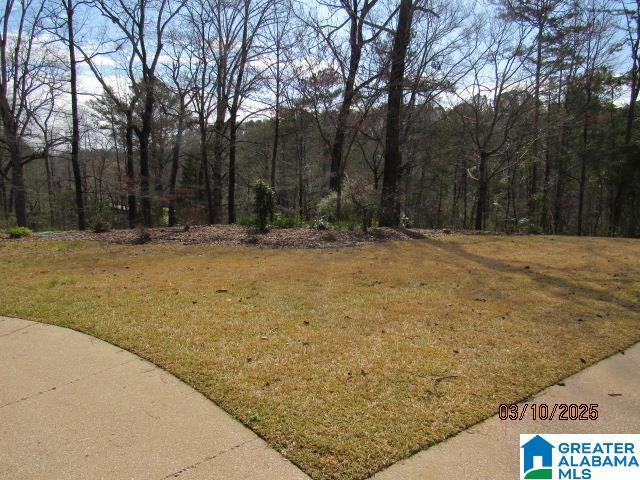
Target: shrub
pixel 19 232
pixel 361 199
pixel 358 203
pixel 100 221
pixel 405 221
pixel 319 224
pixel 527 226
pixel 327 205
pixel 265 199
pixel 246 221
pixel 164 217
pixel 100 226
pixel 345 225
pixel 39 218
pixel 284 221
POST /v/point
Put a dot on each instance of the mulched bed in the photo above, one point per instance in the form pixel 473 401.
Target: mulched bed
pixel 239 235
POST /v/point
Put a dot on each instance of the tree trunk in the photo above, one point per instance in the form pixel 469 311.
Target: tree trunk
pixel 276 123
pixel 532 204
pixel 15 159
pixel 75 128
pixel 583 157
pixel 274 154
pixel 454 197
pixel 233 116
pixel 465 192
pixel 557 203
pixel 130 171
pixel 3 198
pixel 507 225
pixel 633 96
pixel 145 135
pixel 231 206
pixel 17 179
pixel 175 163
pixel 390 203
pixel 205 168
pixel 300 150
pixel 481 204
pixel 50 196
pixel 218 148
pixel 623 183
pixel 335 174
pixel 583 181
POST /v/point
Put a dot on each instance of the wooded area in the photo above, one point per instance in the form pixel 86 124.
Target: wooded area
pixel 513 115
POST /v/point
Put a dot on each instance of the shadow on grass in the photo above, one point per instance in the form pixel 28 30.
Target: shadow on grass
pixel 543 279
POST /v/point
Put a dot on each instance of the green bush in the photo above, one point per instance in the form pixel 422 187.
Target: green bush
pixel 265 202
pixel 358 204
pixel 326 207
pixel 320 224
pixel 39 219
pixel 362 201
pixel 246 221
pixel 100 224
pixel 345 225
pixel 283 221
pixel 405 221
pixel 529 227
pixel 100 219
pixel 19 232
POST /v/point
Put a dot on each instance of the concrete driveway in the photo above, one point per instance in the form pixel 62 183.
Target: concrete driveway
pixel 74 407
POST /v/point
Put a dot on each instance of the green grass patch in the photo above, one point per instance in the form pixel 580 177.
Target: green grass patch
pixel 19 232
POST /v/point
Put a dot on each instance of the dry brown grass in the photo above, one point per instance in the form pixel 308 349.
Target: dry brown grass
pixel 345 360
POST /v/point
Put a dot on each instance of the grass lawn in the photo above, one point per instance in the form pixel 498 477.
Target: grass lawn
pixel 345 360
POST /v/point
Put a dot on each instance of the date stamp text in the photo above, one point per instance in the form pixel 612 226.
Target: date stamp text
pixel 544 411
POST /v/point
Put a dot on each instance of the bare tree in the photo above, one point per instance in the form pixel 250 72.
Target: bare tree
pixel 390 202
pixel 495 101
pixel 69 11
pixel 126 103
pixel 255 15
pixel 182 83
pixel 278 34
pixel 133 21
pixel 631 12
pixel 25 73
pixel 543 16
pixel 596 49
pixel 358 19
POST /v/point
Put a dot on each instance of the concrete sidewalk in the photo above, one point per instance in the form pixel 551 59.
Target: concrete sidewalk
pixel 491 448
pixel 74 407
